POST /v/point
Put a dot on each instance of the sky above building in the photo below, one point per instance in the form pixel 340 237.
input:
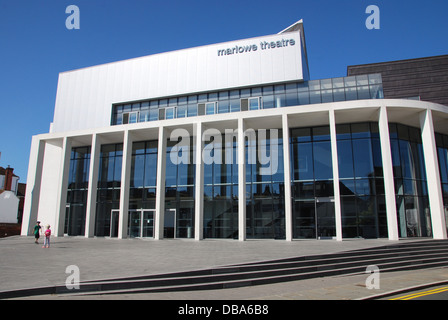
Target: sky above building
pixel 36 45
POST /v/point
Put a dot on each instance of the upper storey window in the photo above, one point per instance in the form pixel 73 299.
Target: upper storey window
pixel 266 97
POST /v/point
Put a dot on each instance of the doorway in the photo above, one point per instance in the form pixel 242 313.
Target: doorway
pixel 141 223
pixel 114 218
pixel 169 229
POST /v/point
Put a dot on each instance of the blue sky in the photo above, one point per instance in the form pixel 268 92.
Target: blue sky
pixel 35 45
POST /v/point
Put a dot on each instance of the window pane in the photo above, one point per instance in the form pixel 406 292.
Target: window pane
pixel 345 159
pixel 254 103
pixel 362 158
pixel 322 161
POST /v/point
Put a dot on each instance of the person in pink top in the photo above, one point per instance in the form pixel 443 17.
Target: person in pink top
pixel 47 234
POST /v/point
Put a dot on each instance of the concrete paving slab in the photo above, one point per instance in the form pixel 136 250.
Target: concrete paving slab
pixel 26 265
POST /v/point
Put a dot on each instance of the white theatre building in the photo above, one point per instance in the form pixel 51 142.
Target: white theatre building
pixel 235 141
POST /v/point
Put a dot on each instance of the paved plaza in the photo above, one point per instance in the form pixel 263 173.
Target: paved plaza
pixel 28 265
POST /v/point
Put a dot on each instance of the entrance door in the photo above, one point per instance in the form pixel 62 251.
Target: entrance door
pixel 141 223
pixel 114 218
pixel 169 230
pixel 148 223
pixel 326 224
pixel 75 219
pixel 134 223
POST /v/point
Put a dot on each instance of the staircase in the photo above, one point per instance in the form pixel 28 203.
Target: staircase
pixel 400 257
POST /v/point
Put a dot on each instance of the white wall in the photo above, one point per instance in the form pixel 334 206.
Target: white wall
pixel 9 206
pixel 51 171
pixel 85 97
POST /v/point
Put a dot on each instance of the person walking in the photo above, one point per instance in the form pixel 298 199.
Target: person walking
pixel 37 232
pixel 47 237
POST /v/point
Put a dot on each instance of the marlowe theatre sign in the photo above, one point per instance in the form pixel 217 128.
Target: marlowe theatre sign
pixel 264 45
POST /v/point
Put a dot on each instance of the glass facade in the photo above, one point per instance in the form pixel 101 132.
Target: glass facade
pixel 265 97
pixel 312 183
pixel 361 181
pixel 142 190
pixel 442 152
pixel 221 190
pixel 414 219
pixel 361 185
pixel 265 201
pixel 78 183
pixel 108 193
pixel 179 189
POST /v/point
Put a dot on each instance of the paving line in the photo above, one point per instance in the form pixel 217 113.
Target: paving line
pixel 421 294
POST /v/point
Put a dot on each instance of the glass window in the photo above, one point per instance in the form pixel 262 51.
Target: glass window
pixel 153 114
pixel 351 94
pixel 304 98
pixel 210 108
pixel 303 161
pixel 343 131
pixel 314 85
pixel 375 78
pixel 181 111
pixel 315 97
pixel 223 106
pixel 234 105
pixel 163 103
pixel 350 81
pixel 301 134
pixel 133 117
pixel 172 102
pixel 254 103
pixel 192 110
pixel 360 130
pixel 144 116
pixel 268 102
pixel 362 158
pixel 322 161
pixel 169 113
pixel 182 101
pixel 345 159
pixel 338 94
pixel 362 80
pixel 338 83
pixel 363 92
pixel 326 84
pixel 223 95
pixel 321 133
pixel 280 100
pixel 327 95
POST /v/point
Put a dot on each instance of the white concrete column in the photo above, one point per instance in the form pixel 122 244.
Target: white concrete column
pixel 241 181
pixel 388 174
pixel 433 175
pixel 33 183
pixel 199 184
pixel 62 187
pixel 287 178
pixel 160 181
pixel 124 189
pixel 335 164
pixel 95 152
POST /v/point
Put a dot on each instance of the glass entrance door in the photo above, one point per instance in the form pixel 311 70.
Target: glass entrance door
pixel 141 223
pixel 114 217
pixel 326 224
pixel 169 230
pixel 148 223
